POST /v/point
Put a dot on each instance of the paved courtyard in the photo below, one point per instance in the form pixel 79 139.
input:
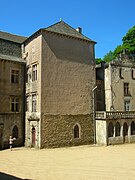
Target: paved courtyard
pixel 75 163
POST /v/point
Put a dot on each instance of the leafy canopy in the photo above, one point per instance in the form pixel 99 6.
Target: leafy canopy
pixel 128 44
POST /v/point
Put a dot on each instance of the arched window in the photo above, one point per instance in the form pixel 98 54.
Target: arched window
pixel 125 129
pixel 15 132
pixel 117 129
pixel 110 129
pixel 132 128
pixel 76 131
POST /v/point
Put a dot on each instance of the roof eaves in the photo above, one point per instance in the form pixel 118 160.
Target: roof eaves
pixel 71 36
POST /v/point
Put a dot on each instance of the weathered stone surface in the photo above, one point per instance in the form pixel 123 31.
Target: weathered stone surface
pixel 57 130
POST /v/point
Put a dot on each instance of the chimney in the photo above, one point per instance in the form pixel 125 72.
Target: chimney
pixel 79 29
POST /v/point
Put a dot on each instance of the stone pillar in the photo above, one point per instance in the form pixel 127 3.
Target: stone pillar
pixel 114 132
pixel 129 132
pixel 121 131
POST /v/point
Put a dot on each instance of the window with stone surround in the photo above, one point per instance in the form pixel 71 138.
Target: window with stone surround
pixel 14 104
pixel 126 89
pixel 34 103
pixel 76 131
pixel 34 72
pixel 15 76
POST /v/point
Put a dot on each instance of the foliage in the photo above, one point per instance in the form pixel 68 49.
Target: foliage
pixel 98 60
pixel 108 57
pixel 118 50
pixel 128 45
pixel 129 41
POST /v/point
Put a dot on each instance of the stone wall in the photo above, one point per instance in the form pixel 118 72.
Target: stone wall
pixel 67 75
pixel 57 130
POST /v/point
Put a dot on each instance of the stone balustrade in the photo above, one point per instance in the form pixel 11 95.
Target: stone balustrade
pixel 114 114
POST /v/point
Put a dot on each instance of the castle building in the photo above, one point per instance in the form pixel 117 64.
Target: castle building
pixel 12 89
pixel 60 63
pixel 116 121
pixel 46 83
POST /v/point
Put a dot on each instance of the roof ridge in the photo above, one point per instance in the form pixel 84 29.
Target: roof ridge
pixel 66 30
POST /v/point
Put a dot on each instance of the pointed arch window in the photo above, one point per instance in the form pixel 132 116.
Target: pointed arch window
pixel 15 132
pixel 117 129
pixel 110 130
pixel 76 131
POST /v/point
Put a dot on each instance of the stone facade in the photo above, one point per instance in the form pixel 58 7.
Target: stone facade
pixel 120 85
pixel 116 124
pixel 12 92
pixel 58 130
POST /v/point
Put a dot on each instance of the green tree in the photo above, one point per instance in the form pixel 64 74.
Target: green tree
pixel 118 50
pixel 109 56
pixel 98 60
pixel 129 41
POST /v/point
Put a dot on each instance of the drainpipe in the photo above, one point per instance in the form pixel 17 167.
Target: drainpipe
pixel 111 95
pixel 93 109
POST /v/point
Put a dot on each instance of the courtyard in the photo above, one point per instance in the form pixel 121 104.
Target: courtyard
pixel 74 163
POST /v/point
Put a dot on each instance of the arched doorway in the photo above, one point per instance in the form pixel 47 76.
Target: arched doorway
pixel 110 129
pixel 133 128
pixel 117 129
pixel 33 136
pixel 125 131
pixel 15 132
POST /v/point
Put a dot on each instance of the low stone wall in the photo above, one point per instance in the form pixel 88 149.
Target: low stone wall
pixel 132 138
pixel 115 140
pixel 58 130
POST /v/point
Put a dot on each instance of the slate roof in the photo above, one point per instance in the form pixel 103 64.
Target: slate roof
pixel 12 37
pixel 11 58
pixel 65 29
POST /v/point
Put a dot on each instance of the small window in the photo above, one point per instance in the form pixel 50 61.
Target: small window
pixel 126 89
pixel 15 76
pixel 14 104
pixel 76 131
pixel 133 74
pixel 34 72
pixel 120 73
pixel 34 103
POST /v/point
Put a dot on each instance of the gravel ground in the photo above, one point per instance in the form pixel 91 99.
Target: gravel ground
pixel 74 163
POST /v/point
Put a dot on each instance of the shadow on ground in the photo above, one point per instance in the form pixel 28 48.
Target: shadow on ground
pixel 4 176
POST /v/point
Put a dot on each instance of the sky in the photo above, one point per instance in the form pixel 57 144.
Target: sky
pixel 104 21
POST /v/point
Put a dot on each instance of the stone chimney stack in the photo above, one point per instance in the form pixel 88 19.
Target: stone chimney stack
pixel 79 29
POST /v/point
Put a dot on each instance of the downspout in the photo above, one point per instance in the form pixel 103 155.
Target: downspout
pixel 111 94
